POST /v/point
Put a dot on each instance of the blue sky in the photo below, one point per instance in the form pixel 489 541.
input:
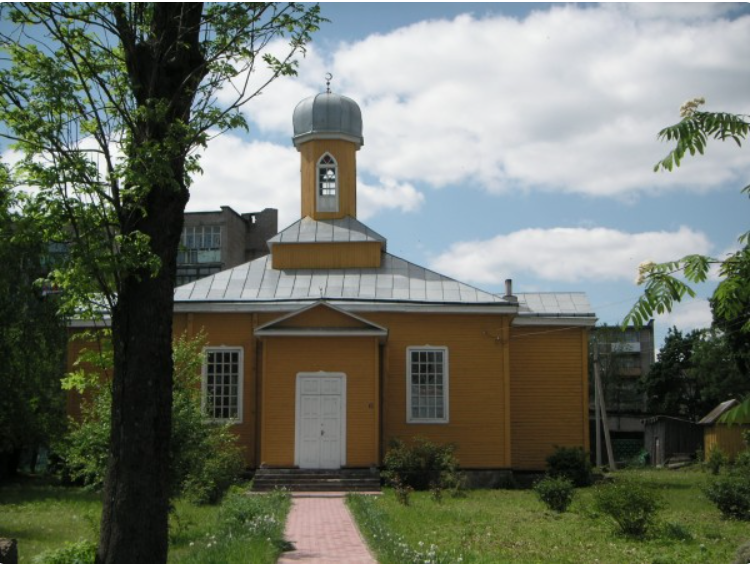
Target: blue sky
pixel 517 140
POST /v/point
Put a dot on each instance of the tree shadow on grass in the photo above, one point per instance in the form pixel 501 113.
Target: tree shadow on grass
pixel 26 490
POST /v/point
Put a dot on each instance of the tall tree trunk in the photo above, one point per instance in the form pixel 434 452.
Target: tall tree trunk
pixel 136 491
pixel 166 68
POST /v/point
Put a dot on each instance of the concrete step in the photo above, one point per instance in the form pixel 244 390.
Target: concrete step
pixel 313 472
pixel 317 480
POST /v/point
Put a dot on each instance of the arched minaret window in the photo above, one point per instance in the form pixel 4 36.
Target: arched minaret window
pixel 328 184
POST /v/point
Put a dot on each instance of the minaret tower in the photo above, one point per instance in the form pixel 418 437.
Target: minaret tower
pixel 328 133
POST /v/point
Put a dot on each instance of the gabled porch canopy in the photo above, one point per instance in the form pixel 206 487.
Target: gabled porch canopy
pixel 341 324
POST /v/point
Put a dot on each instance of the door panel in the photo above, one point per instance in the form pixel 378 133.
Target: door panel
pixel 309 434
pixel 321 412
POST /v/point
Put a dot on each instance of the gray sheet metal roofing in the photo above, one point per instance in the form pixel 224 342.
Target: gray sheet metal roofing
pixel 396 279
pixel 346 230
pixel 327 114
pixel 560 304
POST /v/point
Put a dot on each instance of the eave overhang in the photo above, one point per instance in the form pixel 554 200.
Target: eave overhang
pixel 219 306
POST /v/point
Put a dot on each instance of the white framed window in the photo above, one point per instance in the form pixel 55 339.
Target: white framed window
pixel 427 385
pixel 223 383
pixel 327 195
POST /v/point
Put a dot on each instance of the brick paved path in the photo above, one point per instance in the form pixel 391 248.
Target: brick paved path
pixel 323 532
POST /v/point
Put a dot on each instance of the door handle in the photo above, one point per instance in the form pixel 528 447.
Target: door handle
pixel 321 432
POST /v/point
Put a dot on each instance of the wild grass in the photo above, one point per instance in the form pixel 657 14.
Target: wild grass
pixel 43 517
pixel 241 530
pixel 513 526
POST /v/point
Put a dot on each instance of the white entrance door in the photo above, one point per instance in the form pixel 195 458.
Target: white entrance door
pixel 321 403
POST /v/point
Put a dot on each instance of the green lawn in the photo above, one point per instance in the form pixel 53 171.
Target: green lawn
pixel 45 517
pixel 512 526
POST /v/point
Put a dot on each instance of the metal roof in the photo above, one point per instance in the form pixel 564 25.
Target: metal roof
pixel 554 304
pixel 327 115
pixel 395 280
pixel 718 411
pixel 346 230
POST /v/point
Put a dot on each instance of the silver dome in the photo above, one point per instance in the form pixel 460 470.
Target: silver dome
pixel 327 115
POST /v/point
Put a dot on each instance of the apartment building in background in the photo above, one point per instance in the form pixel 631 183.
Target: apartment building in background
pixel 213 241
pixel 625 356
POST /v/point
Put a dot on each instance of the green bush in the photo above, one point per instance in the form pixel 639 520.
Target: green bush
pixel 571 463
pixel 81 552
pixel 204 457
pixel 422 465
pixel 632 505
pixel 716 460
pixel 730 493
pixel 556 492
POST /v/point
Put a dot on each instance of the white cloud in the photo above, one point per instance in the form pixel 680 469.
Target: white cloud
pixel 688 315
pixel 388 194
pixel 566 254
pixel 271 110
pixel 568 99
pixel 250 176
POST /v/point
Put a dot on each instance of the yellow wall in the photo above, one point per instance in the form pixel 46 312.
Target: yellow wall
pixel 494 422
pixel 74 399
pixel 728 437
pixel 549 395
pixel 477 423
pixel 344 154
pixel 231 330
pixel 284 358
pixel 326 255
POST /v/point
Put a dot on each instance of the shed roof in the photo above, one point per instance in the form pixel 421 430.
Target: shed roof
pixel 718 411
pixel 665 418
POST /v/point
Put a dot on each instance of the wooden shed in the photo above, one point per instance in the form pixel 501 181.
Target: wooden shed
pixel 666 437
pixel 728 437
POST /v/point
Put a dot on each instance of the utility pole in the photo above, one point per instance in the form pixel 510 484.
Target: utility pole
pixel 598 427
pixel 603 412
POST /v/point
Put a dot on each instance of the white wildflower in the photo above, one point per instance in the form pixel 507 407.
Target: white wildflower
pixel 689 107
pixel 644 269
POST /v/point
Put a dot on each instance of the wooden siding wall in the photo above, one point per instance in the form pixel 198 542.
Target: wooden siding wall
pixel 231 330
pixel 326 255
pixel 666 437
pixel 549 395
pixel 356 357
pixel 344 154
pixel 728 437
pixel 477 421
pixel 494 421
